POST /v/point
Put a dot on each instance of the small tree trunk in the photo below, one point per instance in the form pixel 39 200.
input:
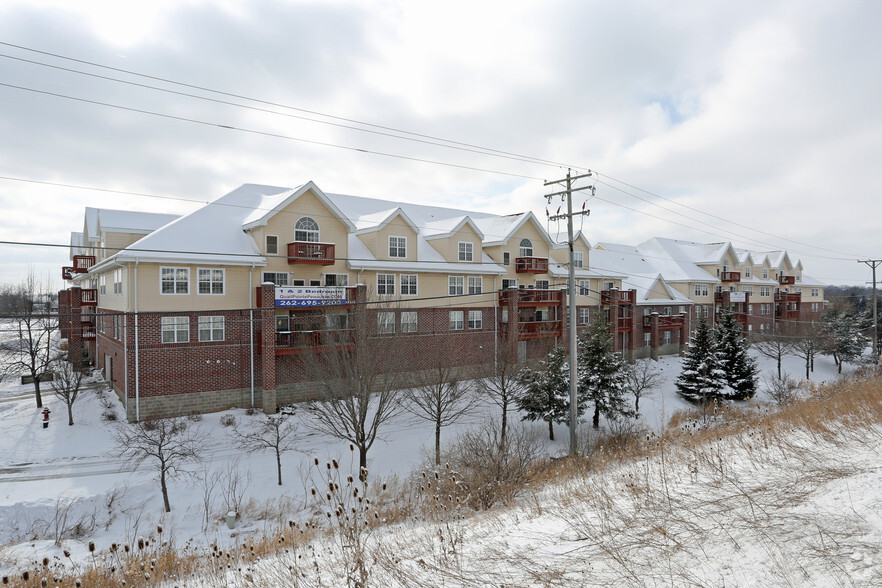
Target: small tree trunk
pixel 636 404
pixel 503 424
pixel 70 415
pixel 37 391
pixel 596 420
pixel 362 458
pixel 779 366
pixel 437 442
pixel 807 365
pixel 551 429
pixel 164 490
pixel 279 465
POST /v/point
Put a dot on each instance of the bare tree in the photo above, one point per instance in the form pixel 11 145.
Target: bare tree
pixel 773 346
pixel 31 349
pixel 276 432
pixel 169 444
pixel 440 397
pixel 357 376
pixel 66 382
pixel 640 379
pixel 806 340
pixel 503 385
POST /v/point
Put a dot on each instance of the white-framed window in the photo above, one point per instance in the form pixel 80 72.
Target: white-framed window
pixel 397 246
pixel 476 284
pixel 747 289
pixel 504 317
pixel 666 337
pixel 336 280
pixel 385 323
pixel 718 288
pixel 765 291
pixel 750 309
pixel 456 320
pixel 609 285
pixel 584 315
pixel 526 248
pixel 118 326
pixel 746 271
pixel 706 311
pixel 584 287
pixel 117 281
pixel 409 284
pixel 386 284
pixel 175 329
pixel 506 258
pixel 578 259
pixel 701 289
pixel 697 312
pixel 542 284
pixel 816 306
pixel 465 249
pixel 409 322
pixel 174 280
pixel 647 339
pixel 271 244
pixel 277 278
pixel 509 283
pixel 765 273
pixel 682 310
pixel 476 319
pixel 455 285
pixel 815 292
pixel 306 229
pixel 210 280
pixel 102 285
pixel 211 328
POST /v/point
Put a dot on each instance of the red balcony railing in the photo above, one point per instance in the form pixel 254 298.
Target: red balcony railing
pixel 786 280
pixel 531 265
pixel 665 321
pixel 527 297
pixel 82 263
pixel 788 297
pixel 299 342
pixel 617 297
pixel 741 317
pixel 67 272
pixel 730 276
pixel 534 329
pixel 90 297
pixel 311 253
pixel 88 329
pixel 624 324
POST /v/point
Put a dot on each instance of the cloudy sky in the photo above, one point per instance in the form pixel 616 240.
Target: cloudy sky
pixel 757 122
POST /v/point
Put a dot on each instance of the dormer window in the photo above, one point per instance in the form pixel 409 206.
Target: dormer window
pixel 397 247
pixel 306 229
pixel 526 248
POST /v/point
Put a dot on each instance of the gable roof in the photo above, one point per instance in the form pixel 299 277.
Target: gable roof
pixel 271 200
pixel 126 221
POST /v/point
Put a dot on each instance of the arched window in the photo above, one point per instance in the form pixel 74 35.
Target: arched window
pixel 526 249
pixel 306 229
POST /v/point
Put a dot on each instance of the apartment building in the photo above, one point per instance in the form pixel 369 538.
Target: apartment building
pixel 226 305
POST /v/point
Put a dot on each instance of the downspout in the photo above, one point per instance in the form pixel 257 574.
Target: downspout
pixel 137 374
pixel 251 327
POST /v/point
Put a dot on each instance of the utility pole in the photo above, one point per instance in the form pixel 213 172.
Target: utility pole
pixel 873 263
pixel 567 194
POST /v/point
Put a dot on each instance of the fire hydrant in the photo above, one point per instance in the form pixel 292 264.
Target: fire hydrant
pixel 45 418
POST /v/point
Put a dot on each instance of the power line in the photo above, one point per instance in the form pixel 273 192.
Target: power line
pixel 265 133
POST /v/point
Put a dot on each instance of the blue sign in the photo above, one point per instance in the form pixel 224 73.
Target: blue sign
pixel 303 296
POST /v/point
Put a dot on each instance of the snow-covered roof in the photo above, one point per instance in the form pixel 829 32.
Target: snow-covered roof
pixel 445 228
pixel 126 221
pixel 669 259
pixel 641 273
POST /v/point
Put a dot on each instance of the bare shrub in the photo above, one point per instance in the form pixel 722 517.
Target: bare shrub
pixel 783 390
pixel 275 432
pixel 488 472
pixel 234 486
pixel 228 420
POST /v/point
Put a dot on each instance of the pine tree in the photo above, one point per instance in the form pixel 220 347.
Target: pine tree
pixel 842 335
pixel 701 378
pixel 601 374
pixel 546 391
pixel 738 366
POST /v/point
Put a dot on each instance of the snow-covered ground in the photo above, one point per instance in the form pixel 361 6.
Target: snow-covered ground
pixel 52 478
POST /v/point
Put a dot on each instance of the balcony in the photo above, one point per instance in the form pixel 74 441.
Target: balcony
pixel 531 265
pixel 617 297
pixel 730 277
pixel 665 321
pixel 530 297
pixel 67 272
pixel 534 329
pixel 786 280
pixel 741 317
pixel 624 324
pixel 89 297
pixel 302 342
pixel 88 329
pixel 311 253
pixel 82 263
pixel 788 297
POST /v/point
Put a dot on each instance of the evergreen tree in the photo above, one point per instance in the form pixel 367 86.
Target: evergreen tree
pixel 842 335
pixel 738 366
pixel 546 391
pixel 602 374
pixel 702 377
